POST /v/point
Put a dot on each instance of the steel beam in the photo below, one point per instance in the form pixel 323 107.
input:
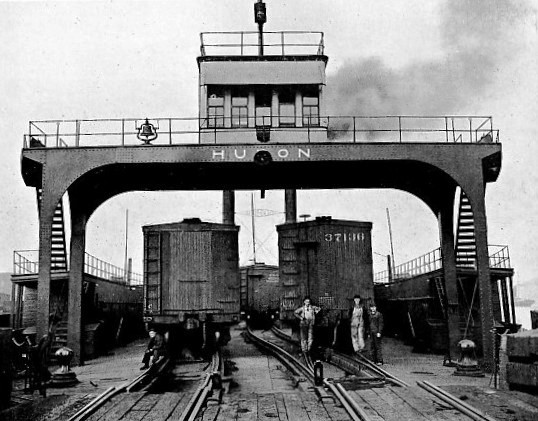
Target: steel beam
pixel 448 256
pixel 228 207
pixel 290 203
pixel 76 279
pixel 477 199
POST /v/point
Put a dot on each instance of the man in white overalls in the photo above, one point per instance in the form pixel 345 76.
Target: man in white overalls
pixel 357 317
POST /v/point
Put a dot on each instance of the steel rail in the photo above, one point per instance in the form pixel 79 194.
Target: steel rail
pixel 285 357
pixel 356 407
pixel 452 400
pixel 352 408
pixel 361 360
pixel 199 397
pixel 391 378
pixel 108 394
pixel 91 406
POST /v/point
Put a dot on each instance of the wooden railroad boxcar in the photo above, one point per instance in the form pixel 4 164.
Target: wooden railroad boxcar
pixel 260 293
pixel 327 259
pixel 191 271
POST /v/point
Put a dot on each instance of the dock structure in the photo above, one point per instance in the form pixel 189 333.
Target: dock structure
pixel 262 125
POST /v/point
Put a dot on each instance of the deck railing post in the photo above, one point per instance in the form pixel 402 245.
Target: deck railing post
pixel 400 127
pixel 170 129
pixel 354 130
pixel 471 129
pixel 123 132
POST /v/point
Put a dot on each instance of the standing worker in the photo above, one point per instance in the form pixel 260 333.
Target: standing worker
pixel 357 316
pixel 155 349
pixel 376 331
pixel 307 316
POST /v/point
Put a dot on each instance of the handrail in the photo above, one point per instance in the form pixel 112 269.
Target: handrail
pixel 26 262
pixel 499 258
pixel 337 129
pixel 276 43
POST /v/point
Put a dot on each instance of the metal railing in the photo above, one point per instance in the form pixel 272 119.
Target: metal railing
pixel 499 258
pixel 246 43
pixel 26 262
pixel 339 129
pixel 426 263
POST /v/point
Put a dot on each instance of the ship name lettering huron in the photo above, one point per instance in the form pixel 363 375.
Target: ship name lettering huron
pixel 239 154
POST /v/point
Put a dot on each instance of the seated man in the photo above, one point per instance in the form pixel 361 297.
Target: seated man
pixel 155 349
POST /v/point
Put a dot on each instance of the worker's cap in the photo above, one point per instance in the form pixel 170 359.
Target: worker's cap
pixel 152 329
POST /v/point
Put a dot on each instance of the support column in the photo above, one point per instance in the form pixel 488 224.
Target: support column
pixel 290 202
pixel 228 207
pixel 448 254
pixel 14 308
pixel 512 304
pixel 20 305
pixel 484 280
pixel 48 204
pixel 76 279
pixel 504 298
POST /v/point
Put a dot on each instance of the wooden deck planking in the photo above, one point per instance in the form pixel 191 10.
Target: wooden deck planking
pixel 121 407
pixel 371 412
pixel 182 404
pixel 247 409
pixel 295 408
pixel 281 407
pixel 164 407
pixel 425 405
pixel 211 413
pixel 387 412
pixel 315 409
pixel 406 411
pixel 228 412
pixel 267 409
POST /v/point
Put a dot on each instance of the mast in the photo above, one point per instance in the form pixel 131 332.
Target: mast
pixel 260 17
pixel 390 237
pixel 253 226
pixel 126 274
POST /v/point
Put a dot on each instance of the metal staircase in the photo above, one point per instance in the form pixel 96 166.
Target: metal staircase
pixel 58 246
pixel 465 237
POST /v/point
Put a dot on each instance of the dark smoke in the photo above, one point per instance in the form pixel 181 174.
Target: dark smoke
pixel 476 37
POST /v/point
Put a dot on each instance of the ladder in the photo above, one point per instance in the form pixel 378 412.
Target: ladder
pixel 58 245
pixel 465 247
pixel 441 293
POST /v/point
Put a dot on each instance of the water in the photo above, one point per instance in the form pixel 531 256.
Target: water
pixel 523 316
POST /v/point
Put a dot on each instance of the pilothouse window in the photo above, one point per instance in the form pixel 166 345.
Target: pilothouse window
pixel 286 99
pixel 311 107
pixel 263 97
pixel 239 108
pixel 215 108
pixel 310 111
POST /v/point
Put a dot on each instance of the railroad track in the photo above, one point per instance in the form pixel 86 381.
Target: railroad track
pixel 371 374
pixel 375 404
pixel 180 396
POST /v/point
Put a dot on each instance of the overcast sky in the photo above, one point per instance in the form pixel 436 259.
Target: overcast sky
pixel 82 60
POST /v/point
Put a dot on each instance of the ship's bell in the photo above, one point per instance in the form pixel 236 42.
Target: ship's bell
pixel 147 132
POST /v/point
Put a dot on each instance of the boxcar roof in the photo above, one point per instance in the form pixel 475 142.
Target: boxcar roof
pixel 322 222
pixel 190 226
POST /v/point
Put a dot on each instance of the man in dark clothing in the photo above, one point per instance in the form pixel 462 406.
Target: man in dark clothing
pixel 155 349
pixel 376 331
